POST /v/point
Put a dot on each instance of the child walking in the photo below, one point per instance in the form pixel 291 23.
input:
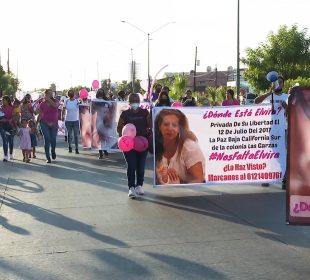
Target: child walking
pixel 34 135
pixel 25 140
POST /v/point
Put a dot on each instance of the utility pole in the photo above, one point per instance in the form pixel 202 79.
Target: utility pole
pixel 216 76
pixel 148 50
pixel 194 88
pixel 132 71
pixel 238 54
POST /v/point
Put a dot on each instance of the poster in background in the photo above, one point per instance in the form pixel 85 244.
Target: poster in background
pixel 298 181
pixel 61 128
pixel 99 119
pixel 85 127
pixel 240 144
pixel 103 126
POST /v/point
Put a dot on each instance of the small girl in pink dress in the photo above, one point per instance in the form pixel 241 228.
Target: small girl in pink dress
pixel 25 140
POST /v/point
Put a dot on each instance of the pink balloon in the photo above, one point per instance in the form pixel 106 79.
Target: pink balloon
pixel 140 143
pixel 95 84
pixel 129 130
pixel 125 143
pixel 83 93
pixel 177 104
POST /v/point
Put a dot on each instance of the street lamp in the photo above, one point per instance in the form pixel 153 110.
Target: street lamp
pixel 148 48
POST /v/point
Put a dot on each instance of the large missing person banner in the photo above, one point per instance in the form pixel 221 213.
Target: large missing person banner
pixel 298 185
pixel 241 144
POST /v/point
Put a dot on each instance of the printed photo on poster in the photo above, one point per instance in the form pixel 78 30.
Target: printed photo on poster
pixel 178 157
pixel 85 127
pixel 103 127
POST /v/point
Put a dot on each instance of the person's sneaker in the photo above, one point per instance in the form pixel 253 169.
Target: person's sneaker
pixel 48 160
pixel 132 192
pixel 11 156
pixel 77 151
pixel 53 155
pixel 106 153
pixel 100 156
pixel 5 159
pixel 265 184
pixel 70 149
pixel 139 190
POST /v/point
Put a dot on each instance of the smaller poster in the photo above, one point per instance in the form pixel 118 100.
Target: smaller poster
pixel 85 127
pixel 298 172
pixel 103 126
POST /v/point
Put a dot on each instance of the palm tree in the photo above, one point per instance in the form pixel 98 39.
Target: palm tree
pixel 178 87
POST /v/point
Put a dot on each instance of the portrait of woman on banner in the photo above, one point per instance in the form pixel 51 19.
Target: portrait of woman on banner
pixel 178 157
pixel 85 129
pixel 103 125
pixel 299 143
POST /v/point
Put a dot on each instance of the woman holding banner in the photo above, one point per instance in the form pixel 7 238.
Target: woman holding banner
pixel 230 100
pixel 179 159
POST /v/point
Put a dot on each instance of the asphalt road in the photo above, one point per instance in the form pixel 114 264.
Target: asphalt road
pixel 72 219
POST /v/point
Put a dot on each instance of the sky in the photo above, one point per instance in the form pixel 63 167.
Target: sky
pixel 72 43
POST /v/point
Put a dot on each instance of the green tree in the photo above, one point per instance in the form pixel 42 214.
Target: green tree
pixel 287 52
pixel 8 83
pixel 177 87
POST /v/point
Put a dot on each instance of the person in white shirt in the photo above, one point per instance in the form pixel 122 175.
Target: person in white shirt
pixel 277 98
pixel 274 95
pixel 71 118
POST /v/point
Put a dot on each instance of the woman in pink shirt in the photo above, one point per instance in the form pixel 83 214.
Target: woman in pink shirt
pixel 230 100
pixel 6 127
pixel 48 116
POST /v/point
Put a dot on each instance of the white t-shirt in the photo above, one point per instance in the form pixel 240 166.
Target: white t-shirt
pixel 72 110
pixel 277 101
pixel 190 155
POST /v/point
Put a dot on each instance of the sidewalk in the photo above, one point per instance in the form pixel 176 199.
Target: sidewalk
pixel 72 219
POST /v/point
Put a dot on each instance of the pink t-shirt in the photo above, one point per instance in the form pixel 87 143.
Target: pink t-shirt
pixel 8 111
pixel 49 113
pixel 227 102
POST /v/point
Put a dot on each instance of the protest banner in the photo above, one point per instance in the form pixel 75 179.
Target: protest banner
pixel 103 126
pixel 298 171
pixel 98 121
pixel 240 144
pixel 85 127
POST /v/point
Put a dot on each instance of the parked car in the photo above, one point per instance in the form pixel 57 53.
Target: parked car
pixel 250 97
